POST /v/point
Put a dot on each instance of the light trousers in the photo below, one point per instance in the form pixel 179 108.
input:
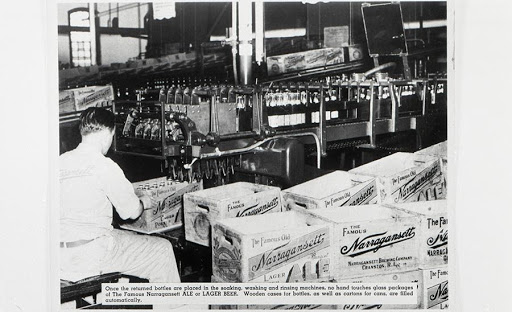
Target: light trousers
pixel 122 251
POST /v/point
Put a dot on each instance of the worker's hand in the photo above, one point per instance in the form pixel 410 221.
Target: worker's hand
pixel 147 203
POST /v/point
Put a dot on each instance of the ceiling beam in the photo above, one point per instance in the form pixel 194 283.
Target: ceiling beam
pixel 122 31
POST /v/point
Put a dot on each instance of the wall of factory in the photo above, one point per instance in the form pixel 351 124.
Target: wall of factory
pixel 196 22
pixel 114 48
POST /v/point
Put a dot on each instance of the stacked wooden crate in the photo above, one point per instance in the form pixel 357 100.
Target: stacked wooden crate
pixel 433 251
pixel 167 211
pixel 373 243
pixel 235 200
pixel 383 222
pixel 406 177
pixel 335 189
pixel 440 151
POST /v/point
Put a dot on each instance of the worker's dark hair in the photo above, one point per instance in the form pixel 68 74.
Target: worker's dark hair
pixel 95 119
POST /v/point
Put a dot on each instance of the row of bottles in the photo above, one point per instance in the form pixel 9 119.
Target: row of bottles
pixel 151 129
pixel 384 93
pixel 286 120
pixel 406 90
pixel 194 96
pixel 166 82
pixel 301 118
pixel 329 115
pixel 129 92
pixel 437 92
pixel 280 98
pixel 156 185
pixel 198 94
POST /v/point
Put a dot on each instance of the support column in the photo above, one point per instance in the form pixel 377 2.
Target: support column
pixel 260 31
pixel 92 29
pixel 245 39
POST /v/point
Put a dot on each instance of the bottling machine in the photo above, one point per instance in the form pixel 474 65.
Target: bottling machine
pixel 208 130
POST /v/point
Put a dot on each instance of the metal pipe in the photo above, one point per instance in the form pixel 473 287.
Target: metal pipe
pixel 138 25
pixel 245 38
pixel 379 68
pixel 246 69
pixel 219 153
pixel 234 36
pixel 259 30
pixel 239 135
pixel 350 23
pixel 109 22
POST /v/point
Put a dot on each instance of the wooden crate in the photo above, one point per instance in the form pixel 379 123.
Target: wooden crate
pixel 66 102
pixel 292 62
pixel 80 99
pixel 433 231
pixel 405 177
pixel 288 247
pixel 168 213
pixel 371 239
pixel 335 189
pixel 435 288
pixel 414 276
pixel 228 201
pixel 439 150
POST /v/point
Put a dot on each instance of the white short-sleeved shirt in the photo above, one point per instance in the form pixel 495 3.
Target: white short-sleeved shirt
pixel 90 184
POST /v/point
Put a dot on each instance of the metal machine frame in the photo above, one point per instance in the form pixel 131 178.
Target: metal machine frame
pixel 213 144
pixel 203 138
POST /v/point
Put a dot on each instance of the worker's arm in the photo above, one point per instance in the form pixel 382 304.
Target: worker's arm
pixel 144 204
pixel 120 192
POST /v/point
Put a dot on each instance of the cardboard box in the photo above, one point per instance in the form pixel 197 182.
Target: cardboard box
pixel 286 63
pixel 95 96
pixel 405 177
pixel 315 58
pixel 355 53
pixel 435 288
pixel 439 150
pixel 294 62
pixel 289 247
pixel 168 213
pixel 433 231
pixel 336 37
pixel 82 98
pixel 335 189
pixel 275 65
pixel 228 201
pixel 66 102
pixel 176 57
pixel 371 239
pixel 414 276
pixel 334 56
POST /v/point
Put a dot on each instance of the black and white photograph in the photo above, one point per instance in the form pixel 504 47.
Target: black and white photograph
pixel 255 155
pixel 253 142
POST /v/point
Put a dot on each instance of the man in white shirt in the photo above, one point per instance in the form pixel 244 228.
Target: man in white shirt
pixel 90 185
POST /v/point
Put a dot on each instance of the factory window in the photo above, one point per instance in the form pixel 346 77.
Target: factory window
pixel 80 40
